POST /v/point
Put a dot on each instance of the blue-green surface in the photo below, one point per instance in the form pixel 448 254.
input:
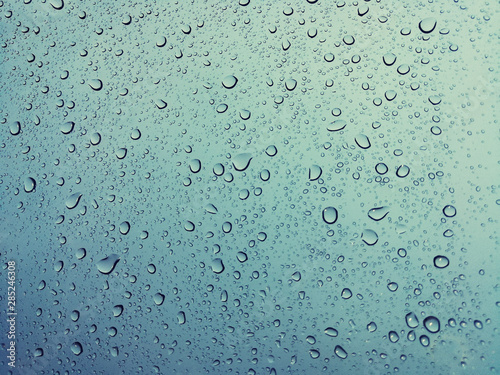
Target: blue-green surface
pixel 224 187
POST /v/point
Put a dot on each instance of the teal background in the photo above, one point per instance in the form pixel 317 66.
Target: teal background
pixel 159 68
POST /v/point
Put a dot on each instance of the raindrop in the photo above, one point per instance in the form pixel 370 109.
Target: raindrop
pixel 67 127
pixel 389 59
pixel 340 352
pixel 95 84
pixel 393 337
pixel 378 213
pixel 369 237
pixel 440 261
pixel 346 293
pixel 337 125
pixel 117 310
pixel 241 161
pixel 371 327
pixel 29 184
pixel 411 320
pixel 332 332
pixel 431 323
pixel 158 299
pixel 315 172
pixel 217 265
pixel 427 25
pixel 108 264
pixel 402 171
pixel 181 317
pixel 195 165
pixel 330 215
pixel 290 84
pixel 76 348
pixel 449 211
pixel 124 227
pixel 362 141
pixel 229 81
pixel 73 200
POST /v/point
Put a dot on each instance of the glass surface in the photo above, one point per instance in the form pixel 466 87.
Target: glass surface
pixel 249 187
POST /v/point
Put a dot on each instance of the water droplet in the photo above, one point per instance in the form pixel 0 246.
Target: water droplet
pixel 221 108
pixel 73 200
pixel 431 323
pixel 440 261
pixel 121 153
pixel 229 81
pixel 427 25
pixel 314 353
pixel 337 125
pixel 381 168
pixel 393 337
pixel 124 227
pixel 478 324
pixel 81 253
pixel 362 141
pixel 211 209
pixel 95 84
pixel 135 135
pixel 290 84
pixel 95 138
pixel 271 150
pixel 390 95
pixel 117 310
pixel 369 237
pixel 378 213
pixel 15 128
pixel 38 352
pixel 315 172
pixel 389 59
pixel 58 266
pixel 449 211
pixel 57 4
pixel 330 215
pixel 332 332
pixel 411 320
pixel 311 340
pixel 346 293
pixel 402 171
pixel 159 298
pixel 67 127
pixel 108 264
pixel 189 226
pixel 195 165
pixel 76 348
pixel 371 327
pixel 340 352
pixel 181 317
pixel 349 40
pixel 241 256
pixel 434 99
pixel 424 340
pixel 29 184
pixel 392 286
pixel 217 265
pixel 242 161
pixel 296 276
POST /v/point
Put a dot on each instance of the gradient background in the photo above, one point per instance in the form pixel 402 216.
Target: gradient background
pixel 159 69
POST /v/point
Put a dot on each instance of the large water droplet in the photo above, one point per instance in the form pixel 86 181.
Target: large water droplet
pixel 369 237
pixel 124 227
pixel 346 293
pixel 29 184
pixel 411 320
pixel 332 332
pixel 337 125
pixel 108 264
pixel 440 261
pixel 393 336
pixel 73 200
pixel 378 213
pixel 229 82
pixel 431 323
pixel 95 84
pixel 362 141
pixel 181 317
pixel 330 215
pixel 389 59
pixel 371 327
pixel 427 25
pixel 315 172
pixel 340 352
pixel 449 211
pixel 67 127
pixel 76 348
pixel 158 299
pixel 242 161
pixel 217 265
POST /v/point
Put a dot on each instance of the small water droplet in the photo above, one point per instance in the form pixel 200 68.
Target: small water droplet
pixel 449 211
pixel 29 184
pixel 159 298
pixel 369 237
pixel 229 81
pixel 362 141
pixel 217 265
pixel 330 215
pixel 340 352
pixel 371 327
pixel 332 332
pixel 315 172
pixel 411 320
pixel 95 84
pixel 378 213
pixel 427 25
pixel 76 348
pixel 242 161
pixel 73 200
pixel 346 293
